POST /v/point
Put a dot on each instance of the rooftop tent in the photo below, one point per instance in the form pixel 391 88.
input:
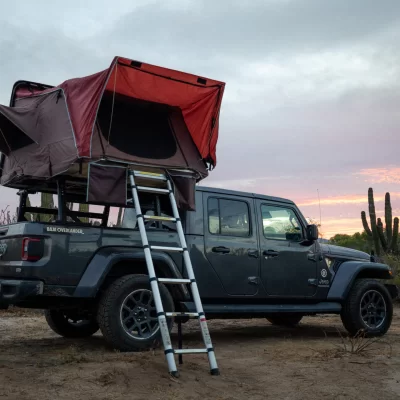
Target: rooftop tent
pixel 130 113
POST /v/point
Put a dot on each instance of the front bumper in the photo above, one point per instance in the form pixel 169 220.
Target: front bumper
pixel 14 291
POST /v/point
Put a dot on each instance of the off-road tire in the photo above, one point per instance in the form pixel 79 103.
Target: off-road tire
pixel 109 307
pixel 287 320
pixel 58 322
pixel 351 313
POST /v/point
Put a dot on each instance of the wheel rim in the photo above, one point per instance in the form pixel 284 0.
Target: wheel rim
pixel 138 314
pixel 373 309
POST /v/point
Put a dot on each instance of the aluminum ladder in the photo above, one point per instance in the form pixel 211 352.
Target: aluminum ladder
pixel 162 320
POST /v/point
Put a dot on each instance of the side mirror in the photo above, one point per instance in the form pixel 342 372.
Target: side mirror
pixel 312 232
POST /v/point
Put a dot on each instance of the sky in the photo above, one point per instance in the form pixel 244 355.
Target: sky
pixel 311 106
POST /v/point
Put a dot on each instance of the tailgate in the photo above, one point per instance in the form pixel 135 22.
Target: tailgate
pixel 22 250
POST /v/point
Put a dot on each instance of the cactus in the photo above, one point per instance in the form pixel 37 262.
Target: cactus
pixel 387 239
pixel 379 227
pixel 119 218
pixel 29 216
pixel 47 201
pixel 388 218
pixel 395 236
pixel 84 208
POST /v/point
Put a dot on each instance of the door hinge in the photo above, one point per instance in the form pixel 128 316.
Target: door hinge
pixel 252 280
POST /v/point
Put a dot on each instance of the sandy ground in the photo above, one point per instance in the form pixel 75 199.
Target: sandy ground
pixel 257 361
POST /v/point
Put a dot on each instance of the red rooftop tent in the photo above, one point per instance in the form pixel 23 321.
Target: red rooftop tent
pixel 131 113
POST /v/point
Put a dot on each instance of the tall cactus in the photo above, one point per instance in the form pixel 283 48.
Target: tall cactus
pixel 395 237
pixel 388 218
pixel 387 238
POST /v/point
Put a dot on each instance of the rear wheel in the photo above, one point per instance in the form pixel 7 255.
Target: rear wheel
pixel 70 324
pixel 288 320
pixel 368 309
pixel 127 314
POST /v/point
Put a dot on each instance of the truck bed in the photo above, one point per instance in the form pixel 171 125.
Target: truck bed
pixel 59 254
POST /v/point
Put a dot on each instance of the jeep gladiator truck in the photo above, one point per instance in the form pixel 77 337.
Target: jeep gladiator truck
pixel 254 256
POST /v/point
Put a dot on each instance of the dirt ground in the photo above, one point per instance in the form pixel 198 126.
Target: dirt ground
pixel 257 361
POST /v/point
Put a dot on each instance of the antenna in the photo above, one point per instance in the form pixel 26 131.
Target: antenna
pixel 319 201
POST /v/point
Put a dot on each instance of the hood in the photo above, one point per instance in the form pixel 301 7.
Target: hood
pixel 344 252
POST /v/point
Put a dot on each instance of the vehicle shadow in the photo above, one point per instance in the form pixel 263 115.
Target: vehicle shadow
pixel 221 334
pixel 250 333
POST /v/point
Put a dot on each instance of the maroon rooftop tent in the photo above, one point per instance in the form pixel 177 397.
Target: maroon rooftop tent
pixel 86 129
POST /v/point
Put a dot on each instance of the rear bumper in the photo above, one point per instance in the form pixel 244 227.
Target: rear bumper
pixel 14 291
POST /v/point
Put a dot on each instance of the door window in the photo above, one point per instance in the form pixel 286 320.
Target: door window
pixel 280 223
pixel 228 217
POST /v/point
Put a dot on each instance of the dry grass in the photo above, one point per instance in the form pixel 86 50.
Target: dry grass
pixel 361 344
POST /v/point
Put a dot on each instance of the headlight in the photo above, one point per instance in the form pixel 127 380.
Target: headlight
pixel 329 261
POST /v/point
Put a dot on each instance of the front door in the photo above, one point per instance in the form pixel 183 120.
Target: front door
pixel 288 263
pixel 231 244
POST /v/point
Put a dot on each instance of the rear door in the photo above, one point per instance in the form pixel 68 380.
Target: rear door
pixel 288 264
pixel 231 243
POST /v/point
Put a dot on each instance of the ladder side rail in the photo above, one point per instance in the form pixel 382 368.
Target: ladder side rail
pixel 195 291
pixel 168 350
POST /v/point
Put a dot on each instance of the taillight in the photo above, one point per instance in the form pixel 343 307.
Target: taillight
pixel 32 249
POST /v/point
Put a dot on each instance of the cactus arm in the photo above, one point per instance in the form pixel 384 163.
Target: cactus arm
pixel 388 218
pixel 395 236
pixel 365 223
pixel 381 235
pixel 372 215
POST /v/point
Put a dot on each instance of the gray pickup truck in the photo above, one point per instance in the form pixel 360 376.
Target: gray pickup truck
pixel 254 256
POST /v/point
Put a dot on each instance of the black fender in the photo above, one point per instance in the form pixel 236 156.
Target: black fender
pixel 349 271
pixel 102 262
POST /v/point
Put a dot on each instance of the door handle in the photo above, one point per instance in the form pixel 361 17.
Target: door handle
pixel 252 280
pixel 253 253
pixel 221 249
pixel 270 253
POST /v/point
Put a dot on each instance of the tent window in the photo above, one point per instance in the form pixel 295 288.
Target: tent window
pixel 139 128
pixel 15 138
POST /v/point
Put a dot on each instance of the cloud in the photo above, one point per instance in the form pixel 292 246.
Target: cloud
pixel 381 175
pixel 349 199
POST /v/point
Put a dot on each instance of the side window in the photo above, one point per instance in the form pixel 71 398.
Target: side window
pixel 280 223
pixel 228 217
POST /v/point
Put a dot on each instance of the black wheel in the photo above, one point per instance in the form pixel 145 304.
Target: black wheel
pixel 368 309
pixel 127 314
pixel 288 320
pixel 70 324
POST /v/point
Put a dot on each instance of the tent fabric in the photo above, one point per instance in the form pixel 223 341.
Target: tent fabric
pixel 132 113
pixel 198 98
pixel 107 179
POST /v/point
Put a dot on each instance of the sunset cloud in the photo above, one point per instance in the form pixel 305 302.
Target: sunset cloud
pixel 381 175
pixel 348 199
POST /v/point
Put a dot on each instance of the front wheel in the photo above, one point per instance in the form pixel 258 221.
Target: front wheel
pixel 288 320
pixel 368 309
pixel 70 324
pixel 127 313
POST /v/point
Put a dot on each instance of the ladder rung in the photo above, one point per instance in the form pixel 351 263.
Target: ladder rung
pixel 165 248
pixel 151 190
pixel 159 218
pixel 190 351
pixel 150 175
pixel 182 314
pixel 173 281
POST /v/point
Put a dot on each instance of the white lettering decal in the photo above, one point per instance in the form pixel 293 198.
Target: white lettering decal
pixel 56 229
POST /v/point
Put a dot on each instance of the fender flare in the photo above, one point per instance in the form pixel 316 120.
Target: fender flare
pixel 349 271
pixel 103 261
